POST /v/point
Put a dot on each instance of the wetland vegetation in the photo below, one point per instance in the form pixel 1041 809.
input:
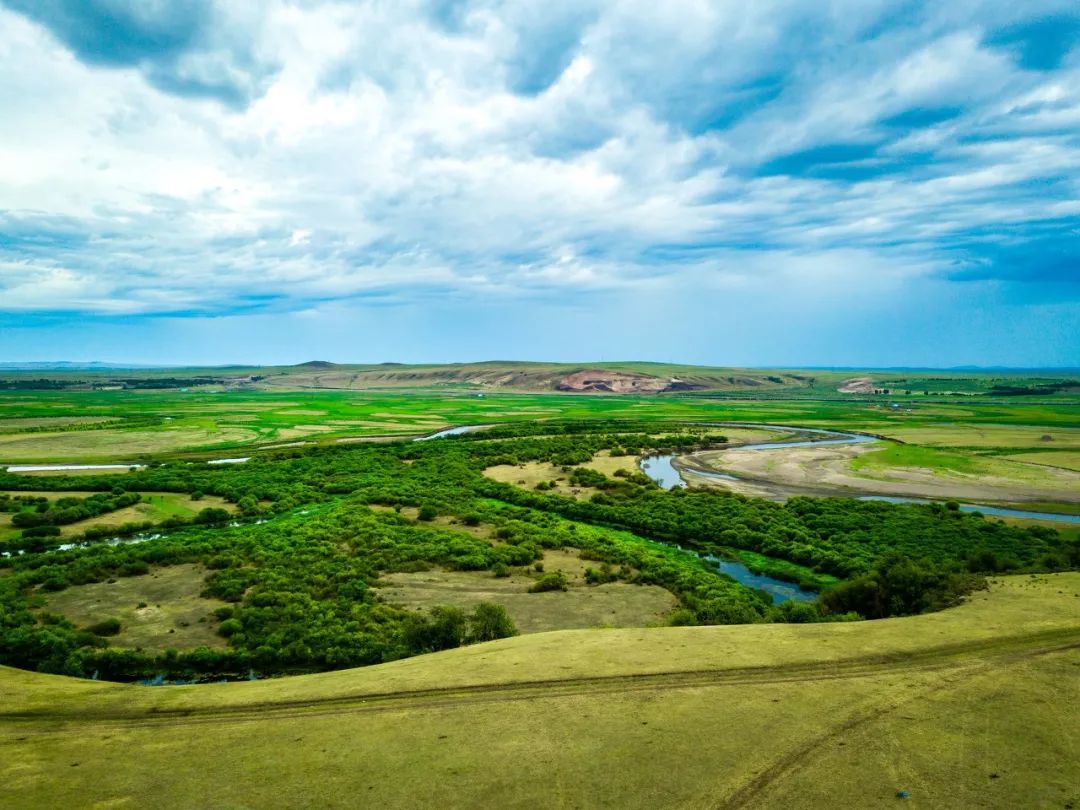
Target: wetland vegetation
pixel 318 553
pixel 536 557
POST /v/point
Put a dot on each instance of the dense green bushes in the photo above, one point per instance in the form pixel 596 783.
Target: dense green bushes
pixel 900 586
pixel 299 586
pixel 446 627
pixel 63 511
pixel 554 581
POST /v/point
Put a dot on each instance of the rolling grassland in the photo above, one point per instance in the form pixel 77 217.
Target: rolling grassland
pixel 976 706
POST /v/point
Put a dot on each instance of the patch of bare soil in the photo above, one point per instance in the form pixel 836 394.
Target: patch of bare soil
pixel 857 385
pixel 531 473
pixel 617 382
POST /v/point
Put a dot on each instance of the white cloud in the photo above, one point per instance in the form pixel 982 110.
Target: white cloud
pixel 516 150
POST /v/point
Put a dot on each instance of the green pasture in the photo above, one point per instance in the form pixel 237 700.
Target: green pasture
pixel 75 426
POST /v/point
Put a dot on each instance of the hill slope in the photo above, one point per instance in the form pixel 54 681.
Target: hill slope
pixel 538 377
pixel 976 706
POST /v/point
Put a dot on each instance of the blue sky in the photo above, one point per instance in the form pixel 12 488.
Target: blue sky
pixel 770 183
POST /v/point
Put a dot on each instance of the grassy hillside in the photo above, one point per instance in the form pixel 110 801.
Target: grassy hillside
pixel 978 706
pixel 540 377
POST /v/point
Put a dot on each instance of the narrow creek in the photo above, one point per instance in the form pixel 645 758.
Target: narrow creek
pixel 453 431
pixel 660 467
pixel 994 511
pixel 125 540
pixel 778 589
pixel 28 468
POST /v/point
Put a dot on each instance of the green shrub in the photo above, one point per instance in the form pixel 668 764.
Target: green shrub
pixel 444 628
pixel 108 627
pixel 229 628
pixel 605 574
pixel 212 515
pixel 555 581
pixel 490 621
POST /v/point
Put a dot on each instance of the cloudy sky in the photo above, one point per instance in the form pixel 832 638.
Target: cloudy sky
pixel 846 182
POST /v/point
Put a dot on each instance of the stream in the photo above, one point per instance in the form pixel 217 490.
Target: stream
pixel 778 589
pixel 453 431
pixel 993 511
pixel 28 468
pixel 661 469
pixel 25 468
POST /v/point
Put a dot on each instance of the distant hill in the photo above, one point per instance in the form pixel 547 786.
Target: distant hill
pixel 65 365
pixel 621 377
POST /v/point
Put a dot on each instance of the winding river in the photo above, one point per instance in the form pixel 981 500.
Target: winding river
pixel 661 469
pixel 779 590
pixel 28 468
pixel 25 468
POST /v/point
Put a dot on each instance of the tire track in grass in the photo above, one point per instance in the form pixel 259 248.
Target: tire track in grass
pixel 963 658
pixel 795 761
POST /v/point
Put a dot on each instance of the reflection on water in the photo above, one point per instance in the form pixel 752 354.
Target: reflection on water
pixel 24 468
pixel 454 431
pixel 779 590
pixel 661 469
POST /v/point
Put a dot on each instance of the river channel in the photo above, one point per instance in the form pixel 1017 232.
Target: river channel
pixel 662 470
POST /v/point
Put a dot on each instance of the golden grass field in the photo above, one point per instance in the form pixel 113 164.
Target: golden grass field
pixel 988 436
pixel 615 604
pixel 977 706
pixel 157 611
pixel 1067 459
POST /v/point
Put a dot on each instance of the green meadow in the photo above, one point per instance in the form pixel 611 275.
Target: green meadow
pixel 521 614
pixel 74 426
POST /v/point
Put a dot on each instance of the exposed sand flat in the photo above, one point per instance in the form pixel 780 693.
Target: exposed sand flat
pixel 827 470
